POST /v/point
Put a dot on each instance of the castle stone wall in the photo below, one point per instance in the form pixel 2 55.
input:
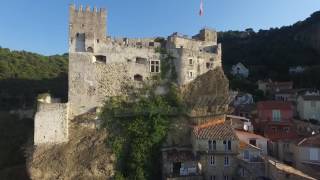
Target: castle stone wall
pixel 91 82
pixel 202 62
pixel 51 123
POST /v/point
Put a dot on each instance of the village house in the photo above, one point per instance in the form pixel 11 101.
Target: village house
pixel 296 70
pixel 308 106
pixel 302 153
pixel 275 120
pixel 240 70
pixel 288 95
pixel 305 128
pixel 216 145
pixel 254 140
pixel 242 99
pixel 244 110
pixel 239 123
pixel 273 87
pixel 251 162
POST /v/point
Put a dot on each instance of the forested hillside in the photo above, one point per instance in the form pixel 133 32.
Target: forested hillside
pixel 270 53
pixel 23 75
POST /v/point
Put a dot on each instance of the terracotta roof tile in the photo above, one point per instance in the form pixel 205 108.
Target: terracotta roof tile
pixel 218 130
pixel 312 141
pixel 274 105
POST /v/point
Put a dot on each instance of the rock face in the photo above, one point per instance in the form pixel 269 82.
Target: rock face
pixel 207 95
pixel 85 156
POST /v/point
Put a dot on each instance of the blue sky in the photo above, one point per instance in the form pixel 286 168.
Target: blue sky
pixel 41 25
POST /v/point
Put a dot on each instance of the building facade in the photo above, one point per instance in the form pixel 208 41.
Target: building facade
pixel 308 107
pixel 275 120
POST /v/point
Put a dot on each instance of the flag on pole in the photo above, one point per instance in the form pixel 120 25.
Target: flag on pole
pixel 201 8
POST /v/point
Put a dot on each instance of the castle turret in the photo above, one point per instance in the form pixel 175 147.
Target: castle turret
pixel 87 28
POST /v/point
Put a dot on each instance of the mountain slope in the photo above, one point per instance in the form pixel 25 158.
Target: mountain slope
pixel 270 53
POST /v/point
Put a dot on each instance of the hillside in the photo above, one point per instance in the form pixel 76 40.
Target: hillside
pixel 270 53
pixel 23 75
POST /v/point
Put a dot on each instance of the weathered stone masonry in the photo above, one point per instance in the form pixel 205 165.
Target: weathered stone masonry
pixel 100 67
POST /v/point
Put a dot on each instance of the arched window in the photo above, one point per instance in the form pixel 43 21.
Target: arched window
pixel 138 77
pixel 90 49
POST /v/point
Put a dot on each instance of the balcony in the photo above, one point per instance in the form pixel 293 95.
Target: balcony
pixel 222 151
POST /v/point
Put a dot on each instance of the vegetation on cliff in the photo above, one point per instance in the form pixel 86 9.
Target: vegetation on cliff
pixel 137 127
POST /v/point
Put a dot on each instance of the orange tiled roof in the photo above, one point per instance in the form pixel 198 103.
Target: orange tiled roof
pixel 215 130
pixel 274 105
pixel 312 141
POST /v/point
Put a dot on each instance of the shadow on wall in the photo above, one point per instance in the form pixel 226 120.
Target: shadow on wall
pixel 22 93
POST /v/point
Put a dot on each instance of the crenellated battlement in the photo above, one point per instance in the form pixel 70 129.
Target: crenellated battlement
pixel 87 9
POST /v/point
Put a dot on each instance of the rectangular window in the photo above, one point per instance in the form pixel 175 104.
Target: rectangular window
pixel 314 154
pixel 276 115
pixel 226 177
pixel 155 66
pixel 210 145
pixel 190 74
pixel 211 160
pixel 212 177
pixel 226 161
pixel 190 62
pixel 246 155
pixel 242 172
pixel 313 104
pixel 225 145
pixel 286 129
pixel 229 145
pixel 213 145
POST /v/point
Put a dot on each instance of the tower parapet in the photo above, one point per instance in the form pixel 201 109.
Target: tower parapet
pixel 87 28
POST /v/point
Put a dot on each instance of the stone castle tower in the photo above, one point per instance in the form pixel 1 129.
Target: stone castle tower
pixel 101 67
pixel 87 28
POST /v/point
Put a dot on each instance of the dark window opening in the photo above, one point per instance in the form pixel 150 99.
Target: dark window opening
pixel 140 60
pixel 229 145
pixel 151 44
pixel 253 142
pixel 90 49
pixel 98 40
pixel 80 42
pixel 139 44
pixel 82 25
pixel 101 59
pixel 208 65
pixel 138 77
pixel 176 167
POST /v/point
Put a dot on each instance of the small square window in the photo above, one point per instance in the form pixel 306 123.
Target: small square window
pixel 190 61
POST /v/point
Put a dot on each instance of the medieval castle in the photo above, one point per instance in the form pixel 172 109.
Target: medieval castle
pixel 101 66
